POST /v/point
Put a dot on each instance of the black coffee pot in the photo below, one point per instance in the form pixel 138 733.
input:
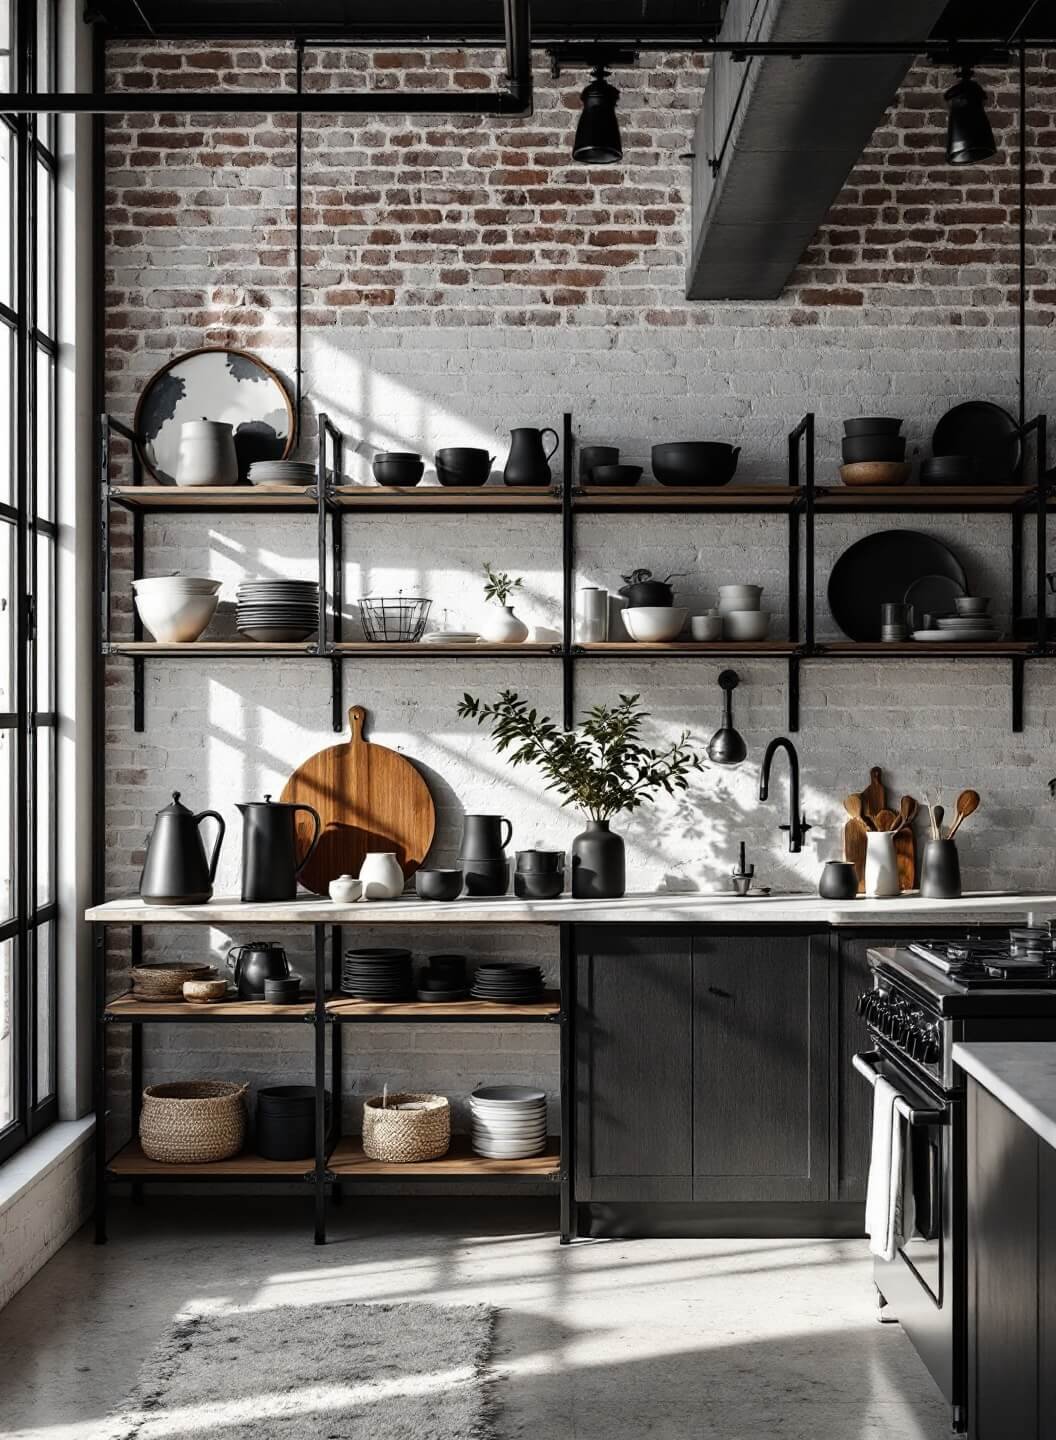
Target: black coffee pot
pixel 528 462
pixel 483 837
pixel 175 871
pixel 269 848
pixel 253 963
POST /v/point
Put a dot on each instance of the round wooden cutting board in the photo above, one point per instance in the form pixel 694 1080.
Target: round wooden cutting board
pixel 368 798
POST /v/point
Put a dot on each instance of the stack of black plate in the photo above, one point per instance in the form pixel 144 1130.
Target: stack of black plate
pixel 282 610
pixel 377 973
pixel 508 984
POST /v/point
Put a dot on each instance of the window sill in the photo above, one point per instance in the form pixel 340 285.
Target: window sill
pixel 40 1155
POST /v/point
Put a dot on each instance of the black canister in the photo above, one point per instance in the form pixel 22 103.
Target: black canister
pixel 486 877
pixel 940 871
pixel 839 881
pixel 286 1122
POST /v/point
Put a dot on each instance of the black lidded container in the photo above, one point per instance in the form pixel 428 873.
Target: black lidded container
pixel 286 1122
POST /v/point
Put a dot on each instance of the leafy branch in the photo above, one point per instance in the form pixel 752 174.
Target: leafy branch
pixel 499 585
pixel 603 768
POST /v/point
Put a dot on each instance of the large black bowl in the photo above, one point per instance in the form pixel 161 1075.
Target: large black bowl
pixel 873 425
pixel 396 468
pixel 858 449
pixel 694 462
pixel 462 465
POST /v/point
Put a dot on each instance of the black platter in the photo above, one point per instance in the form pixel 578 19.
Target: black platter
pixel 880 568
pixel 983 430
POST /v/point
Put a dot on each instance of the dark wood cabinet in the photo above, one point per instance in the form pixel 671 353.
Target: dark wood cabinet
pixel 851 1101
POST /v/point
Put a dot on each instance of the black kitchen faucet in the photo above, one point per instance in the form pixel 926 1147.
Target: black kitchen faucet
pixel 797 826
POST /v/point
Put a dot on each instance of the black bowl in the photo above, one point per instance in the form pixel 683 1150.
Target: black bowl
pixel 283 990
pixel 438 884
pixel 613 475
pixel 541 862
pixel 461 465
pixel 591 456
pixel 536 885
pixel 951 470
pixel 858 449
pixel 394 468
pixel 694 462
pixel 872 425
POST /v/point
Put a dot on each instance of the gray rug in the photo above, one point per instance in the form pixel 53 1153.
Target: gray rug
pixel 326 1372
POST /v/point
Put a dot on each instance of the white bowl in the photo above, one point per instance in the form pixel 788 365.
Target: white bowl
pixel 175 584
pixel 746 624
pixel 653 623
pixel 175 619
pixel 742 592
pixel 706 627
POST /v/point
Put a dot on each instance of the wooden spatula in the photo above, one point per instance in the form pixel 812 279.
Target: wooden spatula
pixel 856 810
pixel 967 804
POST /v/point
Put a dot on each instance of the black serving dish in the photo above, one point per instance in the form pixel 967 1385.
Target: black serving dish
pixel 879 569
pixel 395 468
pixel 861 449
pixel 438 884
pixel 982 429
pixel 872 425
pixel 694 462
pixel 462 465
pixel 613 475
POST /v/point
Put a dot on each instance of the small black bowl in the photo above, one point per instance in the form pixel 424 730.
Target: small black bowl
pixel 438 884
pixel 613 475
pixel 951 470
pixel 538 885
pixel 282 991
pixel 872 425
pixel 859 449
pixel 462 465
pixel 395 468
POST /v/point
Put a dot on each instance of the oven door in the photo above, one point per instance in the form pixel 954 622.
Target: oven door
pixel 919 1283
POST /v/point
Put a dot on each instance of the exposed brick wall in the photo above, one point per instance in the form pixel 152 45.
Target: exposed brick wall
pixel 463 276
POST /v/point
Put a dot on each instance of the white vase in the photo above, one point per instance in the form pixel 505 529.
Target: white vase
pixel 502 627
pixel 881 866
pixel 382 876
pixel 207 454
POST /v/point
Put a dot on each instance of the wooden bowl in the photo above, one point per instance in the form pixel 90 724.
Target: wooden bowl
pixel 204 992
pixel 876 472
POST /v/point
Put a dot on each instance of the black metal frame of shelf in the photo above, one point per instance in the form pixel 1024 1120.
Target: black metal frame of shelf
pixel 324 1021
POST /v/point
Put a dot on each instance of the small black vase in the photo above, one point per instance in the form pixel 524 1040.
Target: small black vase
pixel 940 871
pixel 599 870
pixel 839 881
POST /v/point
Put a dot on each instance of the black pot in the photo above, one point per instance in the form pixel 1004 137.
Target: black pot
pixel 538 885
pixel 694 462
pixel 839 881
pixel 613 475
pixel 395 468
pixel 599 866
pixel 591 456
pixel 940 870
pixel 462 465
pixel 438 884
pixel 286 1122
pixel 859 449
pixel 872 425
pixel 648 592
pixel 486 877
pixel 540 862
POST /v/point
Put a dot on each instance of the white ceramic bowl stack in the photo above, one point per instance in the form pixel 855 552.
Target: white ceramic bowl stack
pixel 742 619
pixel 653 623
pixel 175 608
pixel 509 1121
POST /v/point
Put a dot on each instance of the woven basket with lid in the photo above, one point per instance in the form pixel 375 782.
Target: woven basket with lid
pixel 402 1129
pixel 193 1122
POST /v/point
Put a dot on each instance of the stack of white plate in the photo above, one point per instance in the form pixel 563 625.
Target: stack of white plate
pixel 281 472
pixel 451 637
pixel 277 610
pixel 509 1121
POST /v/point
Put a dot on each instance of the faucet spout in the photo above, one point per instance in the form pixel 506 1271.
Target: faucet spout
pixel 797 826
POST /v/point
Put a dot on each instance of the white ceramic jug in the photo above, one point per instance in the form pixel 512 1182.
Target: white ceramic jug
pixel 382 876
pixel 881 866
pixel 207 454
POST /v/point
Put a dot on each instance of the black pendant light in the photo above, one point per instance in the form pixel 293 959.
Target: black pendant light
pixel 969 136
pixel 726 746
pixel 597 139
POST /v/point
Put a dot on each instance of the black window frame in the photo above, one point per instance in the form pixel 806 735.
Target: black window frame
pixel 28 502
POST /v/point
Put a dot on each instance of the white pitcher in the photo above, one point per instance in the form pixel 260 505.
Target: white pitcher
pixel 207 454
pixel 881 865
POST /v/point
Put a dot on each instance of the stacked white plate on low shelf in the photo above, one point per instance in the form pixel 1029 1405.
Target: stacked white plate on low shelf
pixel 972 622
pixel 509 1122
pixel 451 637
pixel 277 610
pixel 270 473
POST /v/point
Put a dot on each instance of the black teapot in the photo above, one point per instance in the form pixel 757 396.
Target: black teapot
pixel 253 963
pixel 175 871
pixel 639 588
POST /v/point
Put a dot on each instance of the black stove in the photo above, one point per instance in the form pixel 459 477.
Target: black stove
pixel 978 964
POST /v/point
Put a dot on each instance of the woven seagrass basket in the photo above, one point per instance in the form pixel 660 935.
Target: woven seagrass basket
pixel 193 1122
pixel 402 1129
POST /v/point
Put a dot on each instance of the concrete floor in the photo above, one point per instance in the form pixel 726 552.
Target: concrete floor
pixel 606 1340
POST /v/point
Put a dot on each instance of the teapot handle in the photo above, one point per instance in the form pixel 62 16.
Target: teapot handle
pixel 548 455
pixel 234 960
pixel 215 856
pixel 315 838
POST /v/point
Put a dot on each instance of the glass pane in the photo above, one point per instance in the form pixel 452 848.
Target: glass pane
pixel 44 314
pixel 7 616
pixel 45 57
pixel 45 642
pixel 8 805
pixel 45 436
pixel 7 1033
pixel 6 12
pixel 7 212
pixel 45 1010
pixel 7 380
pixel 43 817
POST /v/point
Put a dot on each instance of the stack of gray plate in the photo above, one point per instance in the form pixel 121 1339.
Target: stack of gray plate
pixel 509 1121
pixel 278 610
pixel 281 472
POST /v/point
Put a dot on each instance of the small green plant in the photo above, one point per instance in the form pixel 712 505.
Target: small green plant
pixel 602 769
pixel 498 585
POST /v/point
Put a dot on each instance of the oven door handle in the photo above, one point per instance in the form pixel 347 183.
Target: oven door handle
pixel 866 1065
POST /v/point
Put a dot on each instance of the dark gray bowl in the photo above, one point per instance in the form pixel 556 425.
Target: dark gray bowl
pixel 438 884
pixel 873 425
pixel 859 449
pixel 534 885
pixel 394 468
pixel 613 475
pixel 695 462
pixel 462 465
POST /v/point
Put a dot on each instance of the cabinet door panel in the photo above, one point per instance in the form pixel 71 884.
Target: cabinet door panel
pixel 852 1096
pixel 634 1059
pixel 760 1065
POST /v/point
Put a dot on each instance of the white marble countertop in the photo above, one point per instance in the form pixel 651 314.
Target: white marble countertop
pixel 1019 1073
pixel 654 908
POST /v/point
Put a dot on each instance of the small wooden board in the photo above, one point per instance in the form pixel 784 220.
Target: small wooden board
pixel 368 798
pixel 874 799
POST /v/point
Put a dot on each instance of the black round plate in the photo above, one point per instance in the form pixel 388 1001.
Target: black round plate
pixel 982 429
pixel 880 568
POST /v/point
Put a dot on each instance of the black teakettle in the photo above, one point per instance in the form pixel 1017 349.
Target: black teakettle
pixel 175 871
pixel 269 848
pixel 253 963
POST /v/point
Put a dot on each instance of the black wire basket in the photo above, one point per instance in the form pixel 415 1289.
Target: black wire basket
pixel 399 618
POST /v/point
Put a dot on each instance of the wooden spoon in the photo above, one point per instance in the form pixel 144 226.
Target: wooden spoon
pixel 907 812
pixel 853 805
pixel 967 804
pixel 885 819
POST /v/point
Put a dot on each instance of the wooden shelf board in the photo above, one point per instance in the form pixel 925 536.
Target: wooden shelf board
pixel 442 497
pixel 123 1007
pixel 687 497
pixel 348 1159
pixel 213 497
pixel 922 497
pixel 131 1164
pixel 686 648
pixel 416 650
pixel 428 1011
pixel 229 649
pixel 922 649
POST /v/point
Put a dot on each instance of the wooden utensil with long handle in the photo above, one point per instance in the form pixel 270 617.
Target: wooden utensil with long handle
pixel 967 804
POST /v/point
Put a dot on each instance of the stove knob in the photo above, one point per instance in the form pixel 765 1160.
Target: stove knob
pixel 931 1050
pixel 861 1005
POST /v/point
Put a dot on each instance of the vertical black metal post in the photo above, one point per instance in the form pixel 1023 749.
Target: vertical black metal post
pixel 320 1084
pixel 320 536
pixel 794 580
pixel 567 1073
pixel 99 1079
pixel 337 528
pixel 298 256
pixel 104 531
pixel 1022 236
pixel 1041 534
pixel 808 516
pixel 136 1096
pixel 568 564
pixel 138 704
pixel 1018 668
pixel 336 1036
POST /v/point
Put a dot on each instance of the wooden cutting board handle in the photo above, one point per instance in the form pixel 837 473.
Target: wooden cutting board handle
pixel 357 723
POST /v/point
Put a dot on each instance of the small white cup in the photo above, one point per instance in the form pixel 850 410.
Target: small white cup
pixel 706 627
pixel 346 890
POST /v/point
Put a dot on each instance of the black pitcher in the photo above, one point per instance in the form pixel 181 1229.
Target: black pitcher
pixel 483 838
pixel 269 848
pixel 254 963
pixel 528 460
pixel 175 871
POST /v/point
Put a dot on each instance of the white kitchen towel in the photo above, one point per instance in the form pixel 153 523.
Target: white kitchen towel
pixel 886 1207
